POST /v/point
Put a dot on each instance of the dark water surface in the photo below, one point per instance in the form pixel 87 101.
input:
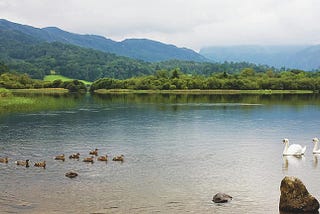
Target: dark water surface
pixel 179 151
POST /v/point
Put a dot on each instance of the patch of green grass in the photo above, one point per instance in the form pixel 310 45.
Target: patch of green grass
pixel 52 78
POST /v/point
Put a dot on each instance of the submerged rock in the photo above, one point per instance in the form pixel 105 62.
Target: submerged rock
pixel 295 197
pixel 71 174
pixel 221 198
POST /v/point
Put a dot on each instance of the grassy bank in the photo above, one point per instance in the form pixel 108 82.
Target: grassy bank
pixel 128 91
pixel 40 91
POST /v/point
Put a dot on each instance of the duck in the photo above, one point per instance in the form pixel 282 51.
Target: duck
pixel 23 163
pixel 88 159
pixel 60 157
pixel 103 158
pixel 75 156
pixel 118 158
pixel 71 174
pixel 94 152
pixel 40 164
pixel 316 149
pixel 293 149
pixel 4 160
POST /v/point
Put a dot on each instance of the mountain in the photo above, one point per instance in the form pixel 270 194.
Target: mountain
pixel 300 57
pixel 26 54
pixel 142 49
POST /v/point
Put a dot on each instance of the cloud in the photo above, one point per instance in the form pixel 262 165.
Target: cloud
pixel 188 23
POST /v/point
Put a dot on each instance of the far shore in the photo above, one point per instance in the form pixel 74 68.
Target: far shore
pixel 41 91
pixel 198 91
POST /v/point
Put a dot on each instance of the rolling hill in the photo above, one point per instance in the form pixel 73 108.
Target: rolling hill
pixel 142 49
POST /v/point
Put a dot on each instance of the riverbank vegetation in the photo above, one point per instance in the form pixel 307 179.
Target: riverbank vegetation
pixel 12 80
pixel 246 79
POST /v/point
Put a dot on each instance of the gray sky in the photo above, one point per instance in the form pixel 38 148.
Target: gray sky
pixel 185 23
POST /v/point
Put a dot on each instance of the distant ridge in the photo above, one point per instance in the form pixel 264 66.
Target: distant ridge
pixel 305 57
pixel 142 49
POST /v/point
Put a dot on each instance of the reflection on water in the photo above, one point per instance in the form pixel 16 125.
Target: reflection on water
pixel 179 151
pixel 315 160
pixel 292 161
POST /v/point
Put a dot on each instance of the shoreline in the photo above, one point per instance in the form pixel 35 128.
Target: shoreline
pixel 200 92
pixel 40 91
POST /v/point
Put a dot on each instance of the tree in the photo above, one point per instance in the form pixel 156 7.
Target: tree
pixel 175 73
pixel 3 68
pixel 247 72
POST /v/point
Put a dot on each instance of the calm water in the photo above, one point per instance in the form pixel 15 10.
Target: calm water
pixel 179 151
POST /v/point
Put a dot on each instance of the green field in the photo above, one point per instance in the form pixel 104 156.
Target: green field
pixel 52 78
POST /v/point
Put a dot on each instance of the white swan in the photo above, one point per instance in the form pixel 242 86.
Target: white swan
pixel 294 149
pixel 316 149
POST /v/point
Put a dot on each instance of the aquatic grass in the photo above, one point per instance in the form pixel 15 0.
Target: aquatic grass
pixel 40 91
pixel 34 102
pixel 5 92
pixel 12 103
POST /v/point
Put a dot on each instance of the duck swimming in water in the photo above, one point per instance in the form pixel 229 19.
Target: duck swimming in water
pixel 88 159
pixel 75 156
pixel 94 152
pixel 23 163
pixel 4 160
pixel 103 158
pixel 119 158
pixel 40 164
pixel 60 157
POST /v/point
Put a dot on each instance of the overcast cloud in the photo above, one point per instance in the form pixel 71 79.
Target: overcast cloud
pixel 185 23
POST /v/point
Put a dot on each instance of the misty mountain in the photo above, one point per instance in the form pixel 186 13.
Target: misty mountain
pixel 300 57
pixel 143 49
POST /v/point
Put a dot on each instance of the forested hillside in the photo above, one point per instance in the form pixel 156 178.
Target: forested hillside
pixel 141 49
pixel 26 54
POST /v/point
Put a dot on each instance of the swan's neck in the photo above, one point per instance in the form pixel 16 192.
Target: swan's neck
pixel 286 145
pixel 315 148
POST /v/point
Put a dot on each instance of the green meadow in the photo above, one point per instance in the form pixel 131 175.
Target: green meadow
pixel 53 77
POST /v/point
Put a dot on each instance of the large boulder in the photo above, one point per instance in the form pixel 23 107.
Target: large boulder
pixel 295 197
pixel 221 198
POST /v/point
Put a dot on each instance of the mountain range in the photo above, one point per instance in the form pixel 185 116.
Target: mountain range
pixel 142 49
pixel 38 50
pixel 305 57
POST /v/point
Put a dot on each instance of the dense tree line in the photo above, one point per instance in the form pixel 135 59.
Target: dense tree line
pixel 246 79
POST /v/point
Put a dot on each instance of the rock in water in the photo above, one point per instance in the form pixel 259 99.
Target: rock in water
pixel 71 174
pixel 221 198
pixel 295 197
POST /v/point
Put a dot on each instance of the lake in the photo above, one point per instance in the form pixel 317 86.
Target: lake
pixel 179 150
